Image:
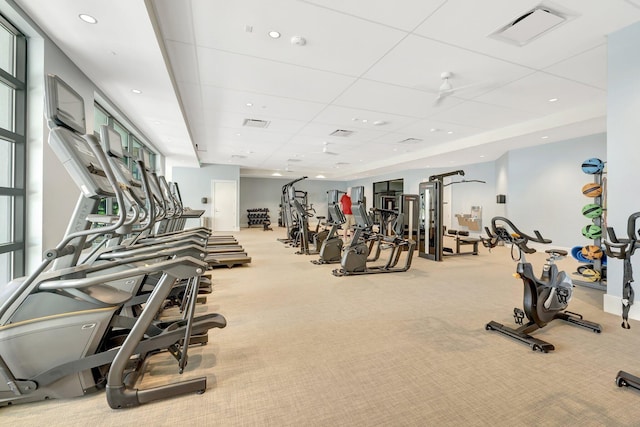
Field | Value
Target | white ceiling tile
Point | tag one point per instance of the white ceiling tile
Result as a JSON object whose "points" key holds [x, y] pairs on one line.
{"points": [[334, 41], [215, 98], [405, 14], [240, 72], [589, 67], [533, 93], [590, 21], [483, 116], [352, 118], [418, 62], [385, 98]]}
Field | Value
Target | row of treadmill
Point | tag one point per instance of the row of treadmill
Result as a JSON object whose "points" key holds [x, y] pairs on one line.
{"points": [[364, 252], [92, 313]]}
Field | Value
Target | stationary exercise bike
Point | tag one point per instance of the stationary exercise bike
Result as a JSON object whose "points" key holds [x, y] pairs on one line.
{"points": [[355, 256], [624, 249], [545, 298], [331, 248]]}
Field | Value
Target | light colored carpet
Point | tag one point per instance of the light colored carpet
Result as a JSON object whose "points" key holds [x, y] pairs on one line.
{"points": [[305, 348]]}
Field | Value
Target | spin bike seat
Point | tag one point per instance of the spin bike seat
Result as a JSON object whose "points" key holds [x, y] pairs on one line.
{"points": [[557, 251]]}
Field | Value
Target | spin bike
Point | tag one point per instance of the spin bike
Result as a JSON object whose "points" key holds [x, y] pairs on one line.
{"points": [[545, 298], [624, 249]]}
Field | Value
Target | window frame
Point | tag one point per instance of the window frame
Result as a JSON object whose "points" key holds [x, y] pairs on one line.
{"points": [[16, 79]]}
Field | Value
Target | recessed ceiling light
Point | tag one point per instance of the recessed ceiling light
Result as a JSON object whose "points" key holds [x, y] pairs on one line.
{"points": [[450, 132], [276, 174], [365, 121], [481, 155], [248, 104], [379, 123], [320, 176], [434, 130], [545, 137], [136, 91], [238, 134], [553, 99], [274, 34], [88, 18]]}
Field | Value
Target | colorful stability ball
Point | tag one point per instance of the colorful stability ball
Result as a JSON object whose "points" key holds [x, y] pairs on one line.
{"points": [[591, 231], [592, 210], [592, 166], [592, 189]]}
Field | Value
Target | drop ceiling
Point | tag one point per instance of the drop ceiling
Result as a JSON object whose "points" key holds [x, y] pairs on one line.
{"points": [[372, 67]]}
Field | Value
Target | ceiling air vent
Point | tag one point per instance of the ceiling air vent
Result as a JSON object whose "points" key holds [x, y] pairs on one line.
{"points": [[410, 141], [293, 160], [529, 26], [341, 132], [255, 123]]}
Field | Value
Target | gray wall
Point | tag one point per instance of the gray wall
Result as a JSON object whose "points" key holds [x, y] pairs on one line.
{"points": [[266, 193]]}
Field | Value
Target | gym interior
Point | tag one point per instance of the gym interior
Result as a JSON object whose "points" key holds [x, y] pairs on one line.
{"points": [[172, 176]]}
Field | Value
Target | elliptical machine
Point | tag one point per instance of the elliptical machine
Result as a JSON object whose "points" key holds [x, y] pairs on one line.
{"points": [[331, 248], [354, 259], [545, 298], [624, 249]]}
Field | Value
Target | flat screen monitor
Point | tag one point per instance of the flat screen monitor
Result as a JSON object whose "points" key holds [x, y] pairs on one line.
{"points": [[357, 194], [112, 141], [65, 106]]}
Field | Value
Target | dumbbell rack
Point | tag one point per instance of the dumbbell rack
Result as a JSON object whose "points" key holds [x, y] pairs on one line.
{"points": [[259, 217], [599, 221]]}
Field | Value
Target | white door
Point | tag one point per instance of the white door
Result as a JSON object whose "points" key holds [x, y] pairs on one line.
{"points": [[225, 205]]}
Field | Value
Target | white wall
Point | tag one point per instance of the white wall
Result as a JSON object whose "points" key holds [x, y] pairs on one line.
{"points": [[545, 188], [195, 183], [623, 149]]}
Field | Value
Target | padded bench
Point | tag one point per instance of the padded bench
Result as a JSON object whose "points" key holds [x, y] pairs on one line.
{"points": [[463, 239]]}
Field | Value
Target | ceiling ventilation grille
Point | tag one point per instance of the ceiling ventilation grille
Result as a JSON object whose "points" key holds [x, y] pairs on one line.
{"points": [[529, 26], [410, 141], [341, 132], [255, 123], [294, 160]]}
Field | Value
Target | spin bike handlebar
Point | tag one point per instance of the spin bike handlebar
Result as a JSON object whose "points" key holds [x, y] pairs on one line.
{"points": [[516, 236], [622, 248]]}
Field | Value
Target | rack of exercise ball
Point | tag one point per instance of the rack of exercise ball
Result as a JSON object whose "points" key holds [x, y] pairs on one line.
{"points": [[593, 272]]}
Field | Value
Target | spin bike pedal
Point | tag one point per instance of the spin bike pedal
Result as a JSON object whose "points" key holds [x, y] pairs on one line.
{"points": [[518, 316]]}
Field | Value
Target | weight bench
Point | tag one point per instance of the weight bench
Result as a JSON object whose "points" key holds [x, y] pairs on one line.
{"points": [[462, 239]]}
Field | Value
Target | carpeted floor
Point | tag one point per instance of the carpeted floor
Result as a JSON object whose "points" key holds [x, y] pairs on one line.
{"points": [[305, 348]]}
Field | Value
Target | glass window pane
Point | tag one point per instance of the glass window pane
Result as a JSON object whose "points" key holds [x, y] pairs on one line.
{"points": [[135, 147], [6, 219], [124, 134], [6, 107], [7, 42], [5, 268], [6, 163], [99, 118]]}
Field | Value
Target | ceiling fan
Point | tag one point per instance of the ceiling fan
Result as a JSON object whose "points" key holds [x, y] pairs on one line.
{"points": [[325, 150], [446, 88]]}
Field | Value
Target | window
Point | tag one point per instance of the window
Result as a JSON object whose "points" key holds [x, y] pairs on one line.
{"points": [[131, 145], [13, 60]]}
